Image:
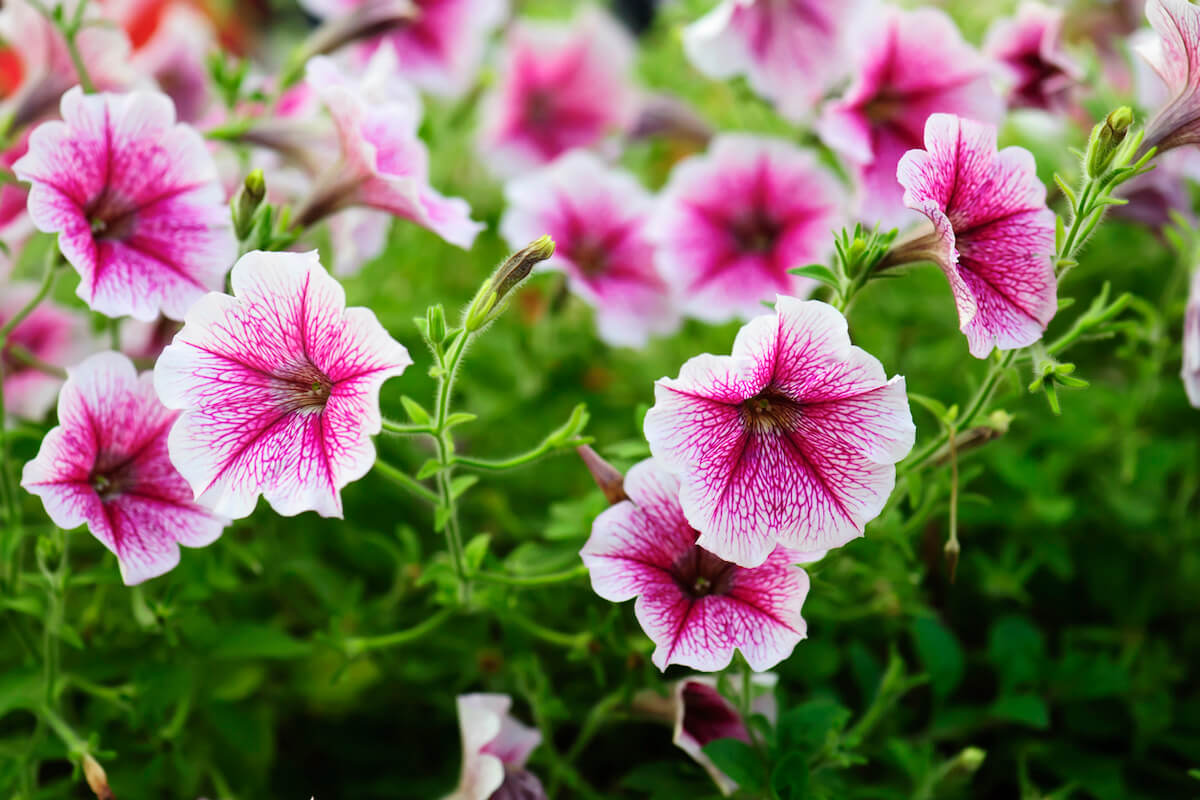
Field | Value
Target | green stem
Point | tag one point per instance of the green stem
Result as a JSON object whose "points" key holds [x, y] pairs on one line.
{"points": [[445, 454], [361, 644], [69, 32], [407, 481], [76, 744], [499, 465], [533, 580], [405, 430], [567, 640]]}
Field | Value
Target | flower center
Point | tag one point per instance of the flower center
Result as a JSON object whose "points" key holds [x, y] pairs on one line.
{"points": [[590, 257], [539, 108], [770, 410], [755, 233], [108, 483], [308, 389], [884, 107], [699, 573]]}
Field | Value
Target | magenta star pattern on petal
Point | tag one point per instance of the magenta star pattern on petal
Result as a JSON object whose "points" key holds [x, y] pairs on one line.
{"points": [[993, 233], [732, 222], [1191, 343], [495, 749], [562, 86], [791, 51], [1175, 56], [384, 164], [596, 216], [279, 385], [106, 465], [50, 335], [1040, 72], [909, 64], [696, 607], [136, 201], [791, 440]]}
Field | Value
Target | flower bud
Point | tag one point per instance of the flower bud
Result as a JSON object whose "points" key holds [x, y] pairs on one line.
{"points": [[247, 201], [1105, 139], [607, 477], [435, 318], [96, 778], [488, 302]]}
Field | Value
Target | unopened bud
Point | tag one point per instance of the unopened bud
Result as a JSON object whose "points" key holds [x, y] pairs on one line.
{"points": [[952, 551], [489, 301], [607, 477], [435, 318], [247, 201], [1105, 139], [96, 779]]}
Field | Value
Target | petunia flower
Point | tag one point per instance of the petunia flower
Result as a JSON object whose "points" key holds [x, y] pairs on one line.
{"points": [[791, 51], [442, 49], [135, 200], [909, 64], [44, 61], [1175, 56], [993, 234], [700, 714], [50, 335], [791, 440], [561, 86], [15, 226], [1191, 343], [495, 749], [1029, 47], [106, 465], [279, 385], [175, 55], [384, 164], [596, 216], [732, 222]]}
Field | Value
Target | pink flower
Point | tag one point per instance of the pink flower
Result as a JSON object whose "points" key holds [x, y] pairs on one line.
{"points": [[1191, 343], [176, 55], [135, 200], [695, 606], [106, 465], [442, 49], [279, 385], [993, 234], [1175, 56], [495, 749], [790, 440], [1041, 74], [49, 334], [384, 164], [731, 223], [561, 87], [791, 51], [14, 222], [596, 216], [910, 64]]}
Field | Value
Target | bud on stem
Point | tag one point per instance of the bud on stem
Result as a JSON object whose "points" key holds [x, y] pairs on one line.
{"points": [[489, 300], [1106, 137], [96, 778], [247, 202], [607, 477]]}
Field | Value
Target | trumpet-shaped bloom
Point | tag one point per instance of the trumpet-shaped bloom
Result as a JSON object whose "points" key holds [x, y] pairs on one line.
{"points": [[384, 164], [1041, 74], [1191, 343], [561, 87], [596, 216], [695, 606], [136, 201], [791, 440], [993, 233], [495, 749], [789, 50], [731, 223], [50, 335], [279, 385], [441, 50], [106, 465], [1175, 56], [909, 64]]}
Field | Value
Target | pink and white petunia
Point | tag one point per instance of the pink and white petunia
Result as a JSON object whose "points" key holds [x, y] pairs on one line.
{"points": [[15, 226], [791, 51], [176, 55], [909, 64], [695, 606], [495, 749], [384, 164], [279, 385], [442, 49], [1191, 343], [49, 334], [1175, 56], [732, 222], [993, 233], [562, 86], [1029, 47], [106, 466], [792, 440], [596, 216], [136, 201]]}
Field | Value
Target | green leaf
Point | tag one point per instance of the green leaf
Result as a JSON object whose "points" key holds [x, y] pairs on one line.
{"points": [[459, 418], [440, 517], [461, 484], [250, 642], [818, 272], [790, 778], [935, 407], [806, 727], [475, 550], [940, 654], [429, 468], [20, 688], [1027, 709], [737, 760], [415, 412]]}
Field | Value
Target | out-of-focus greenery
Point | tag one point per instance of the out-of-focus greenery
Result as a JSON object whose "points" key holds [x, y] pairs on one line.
{"points": [[1066, 648]]}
